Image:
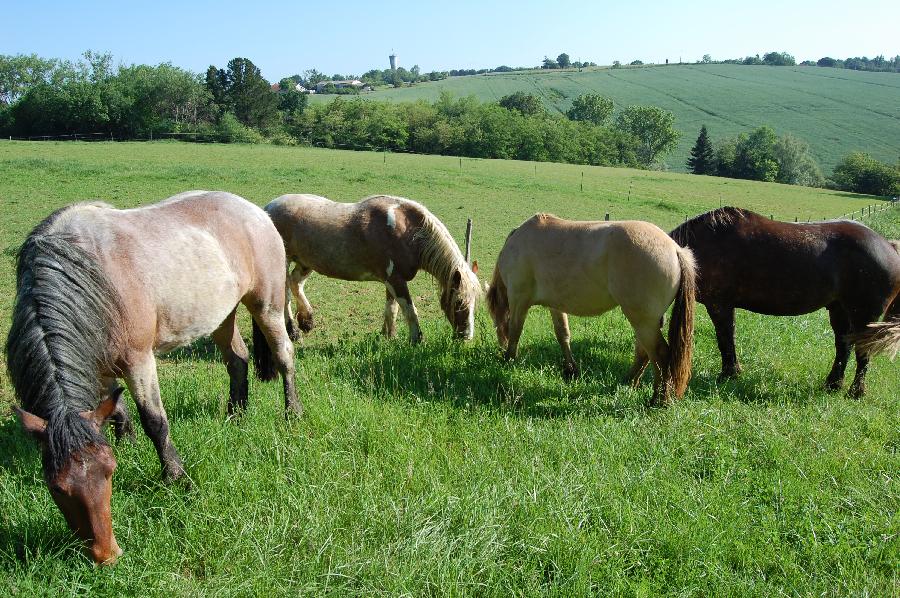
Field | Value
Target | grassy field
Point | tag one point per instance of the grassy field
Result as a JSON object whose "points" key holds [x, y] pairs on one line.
{"points": [[835, 110], [439, 469]]}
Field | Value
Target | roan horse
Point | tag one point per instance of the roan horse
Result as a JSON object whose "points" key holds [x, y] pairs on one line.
{"points": [[99, 292], [588, 268], [381, 238], [751, 262]]}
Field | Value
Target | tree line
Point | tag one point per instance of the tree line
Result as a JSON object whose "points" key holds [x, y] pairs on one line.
{"points": [[762, 155]]}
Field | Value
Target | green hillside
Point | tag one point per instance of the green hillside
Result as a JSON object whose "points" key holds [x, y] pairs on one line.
{"points": [[836, 110]]}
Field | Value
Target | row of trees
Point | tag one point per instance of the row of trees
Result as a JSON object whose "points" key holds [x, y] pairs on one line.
{"points": [[761, 155], [517, 127], [879, 63]]}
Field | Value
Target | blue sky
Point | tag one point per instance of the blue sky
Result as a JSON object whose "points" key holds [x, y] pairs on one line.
{"points": [[350, 37]]}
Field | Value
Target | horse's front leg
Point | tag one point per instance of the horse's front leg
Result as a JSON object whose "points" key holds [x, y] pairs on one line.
{"points": [[517, 315], [723, 320], [144, 387], [401, 293], [119, 419], [390, 314], [236, 356], [564, 337]]}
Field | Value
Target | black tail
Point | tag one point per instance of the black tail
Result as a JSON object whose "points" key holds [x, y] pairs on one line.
{"points": [[263, 361]]}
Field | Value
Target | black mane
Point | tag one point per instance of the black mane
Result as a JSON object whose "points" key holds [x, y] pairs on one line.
{"points": [[64, 314], [714, 219]]}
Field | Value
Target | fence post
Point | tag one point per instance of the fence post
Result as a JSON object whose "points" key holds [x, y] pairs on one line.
{"points": [[582, 181], [468, 238], [607, 216]]}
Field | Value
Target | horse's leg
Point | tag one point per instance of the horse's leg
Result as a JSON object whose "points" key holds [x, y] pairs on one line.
{"points": [[723, 320], [517, 314], [119, 419], [648, 335], [290, 321], [390, 314], [641, 359], [859, 319], [563, 336], [401, 294], [840, 323], [235, 355], [271, 324], [298, 278], [144, 387]]}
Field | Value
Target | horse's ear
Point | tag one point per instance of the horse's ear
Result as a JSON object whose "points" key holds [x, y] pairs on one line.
{"points": [[34, 425], [105, 408], [475, 267]]}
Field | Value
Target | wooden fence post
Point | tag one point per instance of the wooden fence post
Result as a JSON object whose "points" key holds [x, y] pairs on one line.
{"points": [[468, 238], [607, 216]]}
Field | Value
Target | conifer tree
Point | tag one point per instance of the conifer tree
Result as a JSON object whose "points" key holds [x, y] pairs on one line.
{"points": [[702, 160]]}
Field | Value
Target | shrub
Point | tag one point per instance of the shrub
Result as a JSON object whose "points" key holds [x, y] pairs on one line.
{"points": [[861, 173], [231, 130]]}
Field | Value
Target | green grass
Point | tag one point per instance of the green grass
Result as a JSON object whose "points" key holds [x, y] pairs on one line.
{"points": [[439, 469], [836, 111]]}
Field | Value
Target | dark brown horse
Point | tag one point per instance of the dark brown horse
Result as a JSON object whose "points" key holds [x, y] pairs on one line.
{"points": [[751, 262], [101, 292]]}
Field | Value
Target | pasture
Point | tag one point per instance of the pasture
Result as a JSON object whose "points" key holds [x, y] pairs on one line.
{"points": [[439, 469], [836, 111]]}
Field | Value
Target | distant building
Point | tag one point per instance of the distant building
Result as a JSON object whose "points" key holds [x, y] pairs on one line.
{"points": [[393, 59], [320, 86]]}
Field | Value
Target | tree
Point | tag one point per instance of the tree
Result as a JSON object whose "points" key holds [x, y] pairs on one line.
{"points": [[249, 95], [616, 64], [826, 61], [653, 127], [591, 107], [563, 61], [796, 166], [778, 59], [706, 59], [755, 155], [861, 173], [703, 158], [21, 72], [549, 63], [289, 99], [636, 63], [524, 103]]}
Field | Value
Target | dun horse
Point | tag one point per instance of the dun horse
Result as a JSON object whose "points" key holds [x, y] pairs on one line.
{"points": [[99, 292], [381, 238], [751, 262], [587, 269]]}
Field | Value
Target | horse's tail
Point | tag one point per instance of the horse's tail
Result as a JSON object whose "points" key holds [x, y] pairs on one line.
{"points": [[263, 361], [681, 325], [496, 298]]}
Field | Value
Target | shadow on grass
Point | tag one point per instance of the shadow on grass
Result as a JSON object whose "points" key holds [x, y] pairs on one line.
{"points": [[441, 370]]}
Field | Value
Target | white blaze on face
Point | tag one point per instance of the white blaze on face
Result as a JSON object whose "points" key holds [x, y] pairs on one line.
{"points": [[390, 267], [391, 218], [470, 329]]}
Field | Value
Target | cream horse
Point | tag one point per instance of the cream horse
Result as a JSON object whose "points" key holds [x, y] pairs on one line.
{"points": [[101, 292], [587, 269], [381, 238]]}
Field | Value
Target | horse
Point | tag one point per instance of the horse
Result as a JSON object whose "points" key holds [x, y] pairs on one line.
{"points": [[100, 291], [587, 269], [776, 268], [380, 238]]}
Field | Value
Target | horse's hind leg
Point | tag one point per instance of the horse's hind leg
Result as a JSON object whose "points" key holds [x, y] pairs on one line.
{"points": [[144, 387], [840, 323], [296, 282], [563, 336], [723, 320], [271, 325], [859, 319], [390, 314], [650, 339], [641, 359], [235, 355]]}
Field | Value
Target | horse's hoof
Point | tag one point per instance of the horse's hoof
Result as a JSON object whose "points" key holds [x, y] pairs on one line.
{"points": [[293, 410], [306, 324], [833, 385], [175, 473], [728, 375], [856, 391], [293, 331], [570, 372]]}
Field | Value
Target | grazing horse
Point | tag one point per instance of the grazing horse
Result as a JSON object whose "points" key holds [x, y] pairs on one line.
{"points": [[100, 291], [751, 262], [587, 269], [383, 238]]}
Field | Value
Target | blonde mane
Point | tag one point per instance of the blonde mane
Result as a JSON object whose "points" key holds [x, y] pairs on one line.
{"points": [[442, 258]]}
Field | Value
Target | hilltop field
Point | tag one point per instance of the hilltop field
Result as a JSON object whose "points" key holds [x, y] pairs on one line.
{"points": [[836, 111], [441, 470]]}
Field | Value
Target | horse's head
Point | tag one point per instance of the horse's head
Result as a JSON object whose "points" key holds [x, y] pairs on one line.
{"points": [[81, 486], [458, 301]]}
